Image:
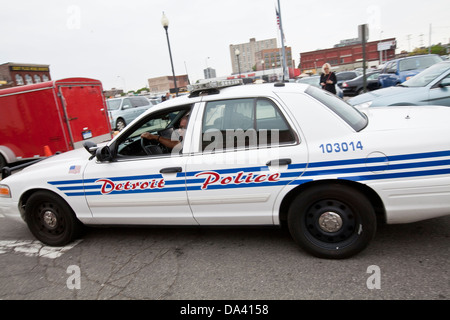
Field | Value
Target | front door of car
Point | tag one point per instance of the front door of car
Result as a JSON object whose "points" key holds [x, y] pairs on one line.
{"points": [[142, 182], [128, 111], [248, 152]]}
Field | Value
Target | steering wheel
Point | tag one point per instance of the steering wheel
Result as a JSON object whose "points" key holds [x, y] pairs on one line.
{"points": [[152, 147]]}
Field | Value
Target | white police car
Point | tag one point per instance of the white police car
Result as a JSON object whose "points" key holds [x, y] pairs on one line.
{"points": [[268, 154]]}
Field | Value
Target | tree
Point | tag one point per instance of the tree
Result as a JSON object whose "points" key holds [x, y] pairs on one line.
{"points": [[435, 49]]}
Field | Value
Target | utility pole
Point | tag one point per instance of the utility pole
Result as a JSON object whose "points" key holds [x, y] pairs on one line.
{"points": [[285, 73], [363, 33]]}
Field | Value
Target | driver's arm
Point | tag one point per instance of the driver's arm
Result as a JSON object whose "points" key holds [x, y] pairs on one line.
{"points": [[166, 142]]}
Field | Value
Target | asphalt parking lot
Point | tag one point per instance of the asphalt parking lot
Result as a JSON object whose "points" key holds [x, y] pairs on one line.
{"points": [[403, 262]]}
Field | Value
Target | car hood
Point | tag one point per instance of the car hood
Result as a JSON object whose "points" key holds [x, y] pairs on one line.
{"points": [[385, 93], [406, 117], [70, 164]]}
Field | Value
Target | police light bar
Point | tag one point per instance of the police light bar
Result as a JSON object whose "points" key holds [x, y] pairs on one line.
{"points": [[212, 86]]}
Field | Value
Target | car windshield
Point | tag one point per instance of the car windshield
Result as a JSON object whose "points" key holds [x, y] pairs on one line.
{"points": [[356, 119], [428, 75], [113, 104]]}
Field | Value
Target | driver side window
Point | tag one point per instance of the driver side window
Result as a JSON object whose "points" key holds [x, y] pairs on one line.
{"points": [[126, 104], [161, 124]]}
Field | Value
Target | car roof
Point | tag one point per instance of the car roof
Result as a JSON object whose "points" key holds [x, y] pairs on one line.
{"points": [[413, 57], [264, 89], [237, 91]]}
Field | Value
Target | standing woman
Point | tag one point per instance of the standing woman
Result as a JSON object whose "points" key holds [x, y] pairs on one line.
{"points": [[328, 79]]}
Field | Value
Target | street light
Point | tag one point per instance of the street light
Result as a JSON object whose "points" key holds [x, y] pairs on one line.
{"points": [[165, 24], [237, 53]]}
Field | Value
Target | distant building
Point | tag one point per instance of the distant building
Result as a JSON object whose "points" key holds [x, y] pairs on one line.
{"points": [[209, 73], [19, 74], [348, 55], [113, 92], [247, 54], [166, 84], [273, 58]]}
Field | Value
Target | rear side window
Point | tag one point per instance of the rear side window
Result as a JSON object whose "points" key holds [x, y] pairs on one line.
{"points": [[356, 119], [140, 101], [238, 123]]}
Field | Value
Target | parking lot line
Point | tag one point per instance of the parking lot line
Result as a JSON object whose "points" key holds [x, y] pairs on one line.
{"points": [[34, 248]]}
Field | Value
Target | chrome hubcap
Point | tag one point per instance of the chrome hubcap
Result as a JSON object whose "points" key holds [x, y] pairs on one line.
{"points": [[330, 221], [50, 219]]}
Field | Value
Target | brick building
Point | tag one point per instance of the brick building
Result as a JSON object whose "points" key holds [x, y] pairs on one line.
{"points": [[18, 74], [348, 57], [247, 54], [165, 84], [273, 58]]}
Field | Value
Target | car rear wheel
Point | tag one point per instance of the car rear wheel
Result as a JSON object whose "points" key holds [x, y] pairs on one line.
{"points": [[332, 221], [51, 220], [120, 124]]}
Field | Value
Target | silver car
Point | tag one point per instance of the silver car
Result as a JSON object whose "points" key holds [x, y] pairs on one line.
{"points": [[430, 87], [124, 110]]}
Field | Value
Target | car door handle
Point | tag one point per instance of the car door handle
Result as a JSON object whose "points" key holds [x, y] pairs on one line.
{"points": [[279, 162], [171, 170]]}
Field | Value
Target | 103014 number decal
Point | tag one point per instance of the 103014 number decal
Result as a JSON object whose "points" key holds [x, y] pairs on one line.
{"points": [[341, 147]]}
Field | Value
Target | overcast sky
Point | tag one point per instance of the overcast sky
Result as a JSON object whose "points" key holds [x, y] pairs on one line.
{"points": [[122, 43]]}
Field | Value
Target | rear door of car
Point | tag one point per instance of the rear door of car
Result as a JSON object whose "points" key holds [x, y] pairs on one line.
{"points": [[246, 151]]}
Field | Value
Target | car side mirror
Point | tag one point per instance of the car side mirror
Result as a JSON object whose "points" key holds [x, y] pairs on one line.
{"points": [[103, 154], [90, 147]]}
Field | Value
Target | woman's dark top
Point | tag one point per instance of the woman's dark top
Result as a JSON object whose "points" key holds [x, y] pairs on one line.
{"points": [[329, 87]]}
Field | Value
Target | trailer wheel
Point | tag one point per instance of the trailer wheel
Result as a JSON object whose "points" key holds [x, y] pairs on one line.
{"points": [[51, 220], [332, 221]]}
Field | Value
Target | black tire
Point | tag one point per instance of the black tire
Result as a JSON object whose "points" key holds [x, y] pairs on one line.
{"points": [[332, 221], [2, 163], [51, 220]]}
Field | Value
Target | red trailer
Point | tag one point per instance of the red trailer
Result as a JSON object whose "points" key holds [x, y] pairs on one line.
{"points": [[41, 119]]}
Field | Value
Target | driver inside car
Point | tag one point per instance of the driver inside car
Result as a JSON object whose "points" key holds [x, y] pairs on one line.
{"points": [[177, 135]]}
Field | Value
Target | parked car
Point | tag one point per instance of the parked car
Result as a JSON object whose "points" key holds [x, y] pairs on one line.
{"points": [[154, 101], [399, 70], [267, 154], [124, 110], [315, 81], [346, 75], [430, 87], [355, 86]]}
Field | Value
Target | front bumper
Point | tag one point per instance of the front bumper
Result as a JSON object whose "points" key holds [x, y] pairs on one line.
{"points": [[10, 209]]}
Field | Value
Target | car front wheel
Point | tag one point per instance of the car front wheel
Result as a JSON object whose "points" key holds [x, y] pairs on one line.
{"points": [[51, 220], [332, 221]]}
